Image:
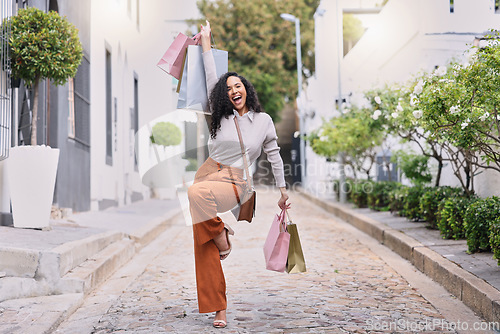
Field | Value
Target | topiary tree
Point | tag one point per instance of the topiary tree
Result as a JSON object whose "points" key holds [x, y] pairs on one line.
{"points": [[42, 46], [166, 134]]}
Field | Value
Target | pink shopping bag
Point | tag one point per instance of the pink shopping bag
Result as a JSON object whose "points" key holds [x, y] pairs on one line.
{"points": [[276, 245], [171, 62]]}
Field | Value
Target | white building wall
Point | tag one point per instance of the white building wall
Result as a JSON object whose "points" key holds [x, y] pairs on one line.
{"points": [[408, 37], [136, 46]]}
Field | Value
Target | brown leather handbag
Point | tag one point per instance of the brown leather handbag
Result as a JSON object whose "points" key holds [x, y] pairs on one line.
{"points": [[247, 202]]}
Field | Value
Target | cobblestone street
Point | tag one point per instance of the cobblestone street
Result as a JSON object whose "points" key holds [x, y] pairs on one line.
{"points": [[348, 288]]}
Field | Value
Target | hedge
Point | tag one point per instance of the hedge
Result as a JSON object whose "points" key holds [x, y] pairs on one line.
{"points": [[430, 200], [451, 213], [478, 218], [380, 198]]}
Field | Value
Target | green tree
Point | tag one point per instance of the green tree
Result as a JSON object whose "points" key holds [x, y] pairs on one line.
{"points": [[398, 106], [261, 44], [414, 167], [42, 45], [355, 134], [166, 134]]}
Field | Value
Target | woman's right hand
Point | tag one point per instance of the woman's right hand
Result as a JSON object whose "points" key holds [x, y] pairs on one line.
{"points": [[205, 36]]}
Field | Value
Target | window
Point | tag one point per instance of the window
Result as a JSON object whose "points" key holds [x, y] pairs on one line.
{"points": [[497, 6], [109, 112], [79, 104], [452, 6], [134, 121], [71, 101]]}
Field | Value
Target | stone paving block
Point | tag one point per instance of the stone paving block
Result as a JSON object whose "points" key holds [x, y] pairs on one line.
{"points": [[446, 273], [418, 258], [481, 296]]}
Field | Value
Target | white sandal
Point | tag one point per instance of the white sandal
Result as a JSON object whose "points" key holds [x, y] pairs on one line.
{"points": [[216, 322], [224, 254]]}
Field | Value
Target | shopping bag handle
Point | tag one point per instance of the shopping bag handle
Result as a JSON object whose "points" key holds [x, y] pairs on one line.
{"points": [[197, 39], [288, 215], [282, 222]]}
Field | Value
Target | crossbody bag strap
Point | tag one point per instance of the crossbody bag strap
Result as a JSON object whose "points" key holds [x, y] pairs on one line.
{"points": [[245, 162]]}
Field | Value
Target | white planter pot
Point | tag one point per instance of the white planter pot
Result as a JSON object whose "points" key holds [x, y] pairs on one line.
{"points": [[31, 173]]}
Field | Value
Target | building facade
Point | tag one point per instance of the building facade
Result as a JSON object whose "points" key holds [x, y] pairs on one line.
{"points": [[407, 37], [93, 119]]}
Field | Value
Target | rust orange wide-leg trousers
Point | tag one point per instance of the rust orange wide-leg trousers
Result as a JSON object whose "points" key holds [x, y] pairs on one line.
{"points": [[215, 189]]}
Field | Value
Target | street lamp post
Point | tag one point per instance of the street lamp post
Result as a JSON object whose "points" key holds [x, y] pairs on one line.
{"points": [[291, 18]]}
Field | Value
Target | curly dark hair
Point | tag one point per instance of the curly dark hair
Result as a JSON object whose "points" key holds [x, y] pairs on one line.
{"points": [[221, 105]]}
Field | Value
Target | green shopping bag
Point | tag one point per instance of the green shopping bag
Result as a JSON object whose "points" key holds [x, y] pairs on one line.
{"points": [[295, 261]]}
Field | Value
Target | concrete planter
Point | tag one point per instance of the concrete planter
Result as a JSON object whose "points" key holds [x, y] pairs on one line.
{"points": [[31, 173]]}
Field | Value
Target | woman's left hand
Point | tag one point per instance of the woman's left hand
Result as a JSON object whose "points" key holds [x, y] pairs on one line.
{"points": [[282, 202]]}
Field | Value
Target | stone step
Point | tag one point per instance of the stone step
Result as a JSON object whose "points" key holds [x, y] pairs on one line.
{"points": [[81, 279], [76, 266], [31, 273], [26, 263], [74, 253], [98, 268]]}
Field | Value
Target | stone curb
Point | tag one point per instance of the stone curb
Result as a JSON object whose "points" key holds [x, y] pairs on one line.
{"points": [[474, 292], [144, 235]]}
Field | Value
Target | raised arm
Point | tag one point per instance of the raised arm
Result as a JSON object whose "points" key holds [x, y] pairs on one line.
{"points": [[208, 58]]}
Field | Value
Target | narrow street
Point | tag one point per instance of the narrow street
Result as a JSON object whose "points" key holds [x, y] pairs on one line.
{"points": [[353, 285]]}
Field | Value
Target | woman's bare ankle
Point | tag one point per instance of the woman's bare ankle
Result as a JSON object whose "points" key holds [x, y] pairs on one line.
{"points": [[220, 315], [221, 241]]}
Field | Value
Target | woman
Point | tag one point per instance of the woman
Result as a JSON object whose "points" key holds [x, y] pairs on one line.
{"points": [[220, 181]]}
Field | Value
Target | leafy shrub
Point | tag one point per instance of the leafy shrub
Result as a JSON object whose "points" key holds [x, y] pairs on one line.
{"points": [[379, 199], [360, 190], [430, 200], [450, 220], [495, 238], [478, 218], [396, 198], [411, 203], [414, 167]]}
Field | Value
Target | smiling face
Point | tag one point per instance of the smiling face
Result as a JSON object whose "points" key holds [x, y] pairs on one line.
{"points": [[237, 93]]}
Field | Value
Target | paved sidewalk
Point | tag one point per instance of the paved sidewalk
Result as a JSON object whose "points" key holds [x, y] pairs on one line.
{"points": [[472, 278], [78, 226], [348, 288], [52, 270]]}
